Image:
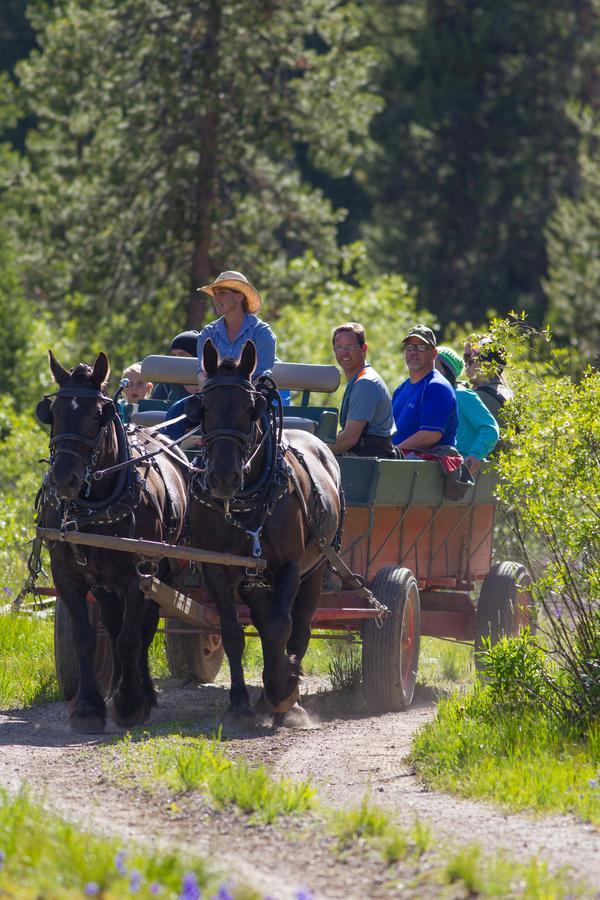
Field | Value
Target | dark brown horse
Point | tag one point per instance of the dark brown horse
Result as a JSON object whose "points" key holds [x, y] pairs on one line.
{"points": [[147, 500], [272, 498]]}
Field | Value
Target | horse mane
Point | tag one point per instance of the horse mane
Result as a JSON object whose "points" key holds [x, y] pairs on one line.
{"points": [[228, 366], [81, 374]]}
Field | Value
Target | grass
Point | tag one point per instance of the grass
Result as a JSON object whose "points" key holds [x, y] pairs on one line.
{"points": [[182, 764], [45, 858], [519, 760], [445, 665], [469, 868], [27, 674]]}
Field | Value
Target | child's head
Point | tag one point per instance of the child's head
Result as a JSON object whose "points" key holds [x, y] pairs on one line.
{"points": [[138, 387]]}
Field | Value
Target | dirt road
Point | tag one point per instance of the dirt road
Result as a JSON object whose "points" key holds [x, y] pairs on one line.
{"points": [[345, 754]]}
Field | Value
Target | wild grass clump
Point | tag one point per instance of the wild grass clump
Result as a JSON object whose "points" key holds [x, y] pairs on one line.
{"points": [[43, 856], [499, 743], [186, 764], [27, 674], [445, 664], [345, 667]]}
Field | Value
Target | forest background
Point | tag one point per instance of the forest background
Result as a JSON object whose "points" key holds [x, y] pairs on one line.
{"points": [[356, 160]]}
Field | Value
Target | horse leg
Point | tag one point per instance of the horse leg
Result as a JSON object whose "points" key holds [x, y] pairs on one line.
{"points": [[232, 633], [111, 610], [280, 680], [149, 626], [129, 704], [304, 608], [87, 711]]}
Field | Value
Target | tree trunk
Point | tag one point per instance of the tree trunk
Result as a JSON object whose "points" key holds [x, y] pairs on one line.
{"points": [[208, 131]]}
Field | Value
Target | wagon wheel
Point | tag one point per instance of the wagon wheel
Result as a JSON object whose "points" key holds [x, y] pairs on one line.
{"points": [[504, 605], [193, 656], [390, 654], [65, 657]]}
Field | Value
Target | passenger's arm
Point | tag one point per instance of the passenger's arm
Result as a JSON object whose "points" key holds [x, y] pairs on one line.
{"points": [[421, 440], [348, 437]]}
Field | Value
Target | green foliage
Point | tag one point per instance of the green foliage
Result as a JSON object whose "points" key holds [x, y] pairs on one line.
{"points": [[574, 262], [519, 758], [21, 445], [44, 856], [516, 672], [165, 150], [384, 305], [27, 674], [473, 145], [14, 321], [345, 667], [551, 483]]}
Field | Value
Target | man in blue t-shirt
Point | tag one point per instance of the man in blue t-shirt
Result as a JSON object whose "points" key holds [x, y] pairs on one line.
{"points": [[424, 406], [366, 410]]}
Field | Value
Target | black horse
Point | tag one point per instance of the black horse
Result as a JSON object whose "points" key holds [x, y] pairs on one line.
{"points": [[146, 500], [271, 497]]}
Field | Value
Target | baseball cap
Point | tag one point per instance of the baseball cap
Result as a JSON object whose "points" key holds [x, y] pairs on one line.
{"points": [[424, 333]]}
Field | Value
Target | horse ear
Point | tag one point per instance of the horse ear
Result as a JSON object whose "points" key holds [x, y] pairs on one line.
{"points": [[210, 358], [59, 373], [101, 370], [247, 363]]}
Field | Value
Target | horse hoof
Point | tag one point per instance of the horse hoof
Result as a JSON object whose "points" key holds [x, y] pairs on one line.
{"points": [[296, 717], [87, 724], [128, 719]]}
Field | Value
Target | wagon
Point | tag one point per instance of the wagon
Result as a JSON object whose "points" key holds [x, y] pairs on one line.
{"points": [[411, 564]]}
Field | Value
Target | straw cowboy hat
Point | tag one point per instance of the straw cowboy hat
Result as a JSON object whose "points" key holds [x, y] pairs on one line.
{"points": [[236, 282]]}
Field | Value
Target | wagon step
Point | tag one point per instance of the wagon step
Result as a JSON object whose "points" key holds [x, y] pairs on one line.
{"points": [[150, 548]]}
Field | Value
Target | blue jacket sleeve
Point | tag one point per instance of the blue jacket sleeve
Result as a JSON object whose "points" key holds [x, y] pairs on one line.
{"points": [[482, 424], [265, 342]]}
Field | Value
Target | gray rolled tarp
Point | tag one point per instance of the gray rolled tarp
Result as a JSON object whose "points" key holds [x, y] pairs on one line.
{"points": [[291, 376]]}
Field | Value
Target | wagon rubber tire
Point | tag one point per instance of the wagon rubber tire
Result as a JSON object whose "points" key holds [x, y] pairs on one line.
{"points": [[390, 653], [193, 657], [65, 658], [504, 605]]}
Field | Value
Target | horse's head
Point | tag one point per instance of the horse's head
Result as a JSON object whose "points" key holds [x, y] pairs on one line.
{"points": [[229, 408], [78, 413]]}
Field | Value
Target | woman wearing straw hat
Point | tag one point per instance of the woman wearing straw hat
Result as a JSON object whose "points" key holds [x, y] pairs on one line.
{"points": [[237, 302]]}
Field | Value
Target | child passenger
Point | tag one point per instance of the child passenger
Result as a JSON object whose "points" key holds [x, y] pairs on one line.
{"points": [[137, 389]]}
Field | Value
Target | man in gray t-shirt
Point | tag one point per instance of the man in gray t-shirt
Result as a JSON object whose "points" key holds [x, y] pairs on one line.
{"points": [[366, 410]]}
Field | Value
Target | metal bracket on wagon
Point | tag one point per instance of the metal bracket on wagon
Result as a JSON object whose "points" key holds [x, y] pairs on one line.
{"points": [[350, 578]]}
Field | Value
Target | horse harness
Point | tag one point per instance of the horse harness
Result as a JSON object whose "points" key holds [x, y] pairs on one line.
{"points": [[130, 489]]}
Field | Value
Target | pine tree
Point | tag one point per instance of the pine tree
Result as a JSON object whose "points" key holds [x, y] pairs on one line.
{"points": [[166, 151]]}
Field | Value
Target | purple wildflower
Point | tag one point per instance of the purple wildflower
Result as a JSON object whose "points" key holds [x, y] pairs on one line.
{"points": [[190, 889], [135, 882], [223, 893], [91, 888], [304, 894], [155, 887], [7, 590], [120, 862], [2, 858]]}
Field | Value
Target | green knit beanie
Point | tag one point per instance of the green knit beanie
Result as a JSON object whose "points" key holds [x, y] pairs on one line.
{"points": [[451, 359]]}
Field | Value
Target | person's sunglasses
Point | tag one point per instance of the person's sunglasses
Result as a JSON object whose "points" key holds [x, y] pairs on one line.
{"points": [[419, 348]]}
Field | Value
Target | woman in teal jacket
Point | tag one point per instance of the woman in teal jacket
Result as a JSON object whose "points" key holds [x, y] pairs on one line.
{"points": [[478, 430]]}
